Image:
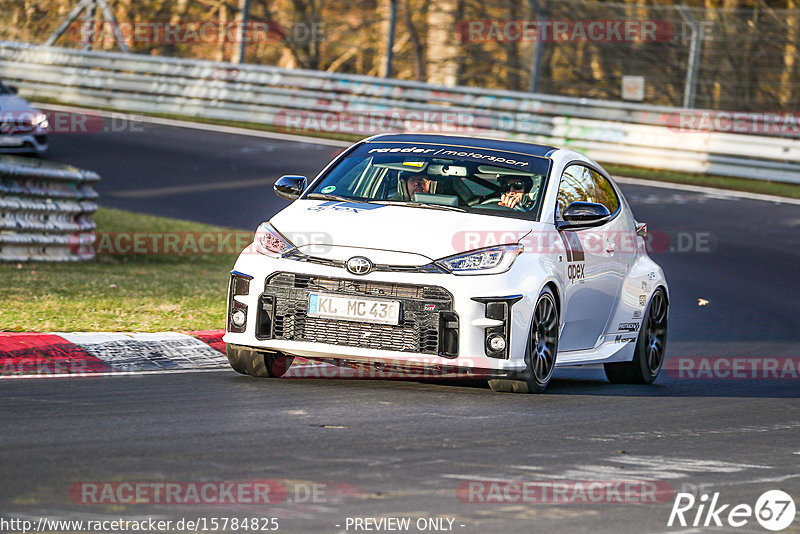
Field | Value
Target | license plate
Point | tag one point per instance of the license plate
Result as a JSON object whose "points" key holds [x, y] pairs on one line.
{"points": [[11, 141], [353, 309]]}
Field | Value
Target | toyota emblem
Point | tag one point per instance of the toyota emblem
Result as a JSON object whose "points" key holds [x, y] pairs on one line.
{"points": [[359, 265]]}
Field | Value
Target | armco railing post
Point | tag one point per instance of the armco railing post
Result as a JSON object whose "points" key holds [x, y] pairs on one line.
{"points": [[538, 49], [694, 58], [387, 69], [89, 15], [241, 33]]}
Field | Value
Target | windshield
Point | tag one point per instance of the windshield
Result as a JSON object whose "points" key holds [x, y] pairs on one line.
{"points": [[439, 177]]}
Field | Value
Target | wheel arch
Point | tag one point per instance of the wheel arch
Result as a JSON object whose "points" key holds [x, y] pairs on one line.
{"points": [[554, 288]]}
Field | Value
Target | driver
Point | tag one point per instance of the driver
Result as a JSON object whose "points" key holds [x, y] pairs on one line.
{"points": [[515, 192], [416, 183]]}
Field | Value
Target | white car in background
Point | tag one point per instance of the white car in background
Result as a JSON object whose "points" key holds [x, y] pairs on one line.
{"points": [[452, 255], [23, 128]]}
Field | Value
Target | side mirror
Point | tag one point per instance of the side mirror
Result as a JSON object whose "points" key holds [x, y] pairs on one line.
{"points": [[583, 215], [290, 186]]}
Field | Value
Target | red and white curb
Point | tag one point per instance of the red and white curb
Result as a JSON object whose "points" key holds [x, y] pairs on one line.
{"points": [[86, 354], [28, 355], [83, 354]]}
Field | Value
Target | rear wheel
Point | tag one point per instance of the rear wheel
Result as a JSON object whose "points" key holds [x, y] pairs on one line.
{"points": [[254, 363], [540, 351], [650, 349]]}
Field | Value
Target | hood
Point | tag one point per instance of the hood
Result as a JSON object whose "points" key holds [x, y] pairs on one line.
{"points": [[15, 104], [421, 234]]}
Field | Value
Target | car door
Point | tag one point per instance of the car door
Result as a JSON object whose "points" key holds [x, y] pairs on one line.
{"points": [[592, 268]]}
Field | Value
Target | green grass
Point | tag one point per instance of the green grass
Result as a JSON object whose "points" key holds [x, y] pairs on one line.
{"points": [[131, 293], [723, 182]]}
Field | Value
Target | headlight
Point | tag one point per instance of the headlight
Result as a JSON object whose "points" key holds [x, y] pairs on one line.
{"points": [[492, 260], [41, 121], [270, 242]]}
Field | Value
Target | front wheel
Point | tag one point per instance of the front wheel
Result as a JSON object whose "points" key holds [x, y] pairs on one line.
{"points": [[651, 346], [540, 351], [259, 364]]}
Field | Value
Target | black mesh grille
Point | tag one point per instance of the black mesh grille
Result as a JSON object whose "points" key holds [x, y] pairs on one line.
{"points": [[418, 330]]}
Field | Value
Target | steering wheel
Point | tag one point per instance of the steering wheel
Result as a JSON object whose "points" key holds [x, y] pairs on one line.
{"points": [[485, 199]]}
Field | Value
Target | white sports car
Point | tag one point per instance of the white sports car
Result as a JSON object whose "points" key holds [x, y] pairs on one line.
{"points": [[23, 129], [452, 255]]}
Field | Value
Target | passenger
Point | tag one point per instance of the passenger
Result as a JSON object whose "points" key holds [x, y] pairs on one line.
{"points": [[515, 192]]}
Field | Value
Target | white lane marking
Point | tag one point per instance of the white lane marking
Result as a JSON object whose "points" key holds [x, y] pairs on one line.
{"points": [[191, 188], [619, 468], [654, 467], [726, 194], [686, 531], [199, 125], [477, 478], [770, 480], [526, 467], [687, 464], [749, 429]]}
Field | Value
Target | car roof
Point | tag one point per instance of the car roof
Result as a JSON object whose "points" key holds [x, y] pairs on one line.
{"points": [[522, 147]]}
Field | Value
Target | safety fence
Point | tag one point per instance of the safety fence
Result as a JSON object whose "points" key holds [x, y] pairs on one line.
{"points": [[45, 211], [745, 145]]}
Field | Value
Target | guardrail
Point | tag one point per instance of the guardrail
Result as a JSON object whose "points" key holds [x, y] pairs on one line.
{"points": [[45, 211], [612, 132]]}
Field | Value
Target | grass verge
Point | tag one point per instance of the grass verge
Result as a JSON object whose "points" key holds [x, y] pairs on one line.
{"points": [[722, 182], [131, 293]]}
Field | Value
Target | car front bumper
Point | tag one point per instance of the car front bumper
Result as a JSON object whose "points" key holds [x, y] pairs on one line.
{"points": [[25, 143], [429, 301]]}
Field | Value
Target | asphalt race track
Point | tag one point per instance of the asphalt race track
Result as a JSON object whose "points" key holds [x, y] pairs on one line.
{"points": [[406, 448]]}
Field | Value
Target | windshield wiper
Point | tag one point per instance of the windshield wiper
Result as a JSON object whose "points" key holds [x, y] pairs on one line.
{"points": [[420, 205]]}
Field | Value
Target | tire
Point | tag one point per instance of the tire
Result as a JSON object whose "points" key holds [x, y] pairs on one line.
{"points": [[259, 364], [540, 351], [651, 346]]}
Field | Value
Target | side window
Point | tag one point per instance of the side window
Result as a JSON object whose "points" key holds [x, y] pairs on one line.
{"points": [[576, 186], [605, 192]]}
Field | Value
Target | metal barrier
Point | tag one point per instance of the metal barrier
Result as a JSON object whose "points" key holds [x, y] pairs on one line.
{"points": [[45, 211], [612, 132]]}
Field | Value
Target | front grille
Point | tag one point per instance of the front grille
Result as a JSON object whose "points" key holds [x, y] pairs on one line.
{"points": [[285, 305], [379, 267]]}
